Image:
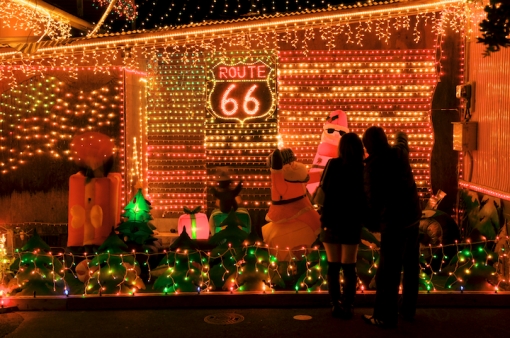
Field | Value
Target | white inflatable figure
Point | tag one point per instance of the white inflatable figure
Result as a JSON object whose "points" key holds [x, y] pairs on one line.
{"points": [[332, 131]]}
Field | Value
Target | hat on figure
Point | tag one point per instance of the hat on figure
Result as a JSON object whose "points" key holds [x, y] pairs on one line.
{"points": [[287, 156], [222, 175], [337, 120]]}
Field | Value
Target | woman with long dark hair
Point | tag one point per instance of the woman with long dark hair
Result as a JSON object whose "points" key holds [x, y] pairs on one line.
{"points": [[341, 220]]}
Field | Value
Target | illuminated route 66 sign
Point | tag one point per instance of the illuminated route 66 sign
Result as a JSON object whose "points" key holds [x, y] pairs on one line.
{"points": [[241, 91]]}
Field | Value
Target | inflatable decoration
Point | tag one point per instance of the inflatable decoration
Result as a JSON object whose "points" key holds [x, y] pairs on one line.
{"points": [[136, 228], [259, 268], [294, 223], [182, 271], [217, 218], [227, 200], [334, 128], [37, 271], [436, 227], [83, 271], [229, 244], [113, 271], [195, 221], [94, 194], [313, 278]]}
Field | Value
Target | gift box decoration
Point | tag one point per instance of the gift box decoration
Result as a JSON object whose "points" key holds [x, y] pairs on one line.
{"points": [[94, 208], [217, 217], [196, 223]]}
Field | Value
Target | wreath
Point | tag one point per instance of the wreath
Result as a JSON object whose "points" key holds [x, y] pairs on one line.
{"points": [[495, 28]]}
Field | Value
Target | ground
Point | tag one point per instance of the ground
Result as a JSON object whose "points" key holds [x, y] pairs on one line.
{"points": [[274, 322]]}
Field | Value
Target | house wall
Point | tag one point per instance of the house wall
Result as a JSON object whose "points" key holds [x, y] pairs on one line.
{"points": [[50, 107], [488, 167], [380, 40]]}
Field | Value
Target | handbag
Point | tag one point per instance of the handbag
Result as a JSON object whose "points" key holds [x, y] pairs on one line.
{"points": [[319, 195]]}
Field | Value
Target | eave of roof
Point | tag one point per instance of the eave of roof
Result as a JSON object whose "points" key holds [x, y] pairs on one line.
{"points": [[308, 18], [74, 21]]}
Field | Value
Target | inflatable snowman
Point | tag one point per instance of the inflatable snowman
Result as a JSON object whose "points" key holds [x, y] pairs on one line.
{"points": [[334, 128], [294, 223]]}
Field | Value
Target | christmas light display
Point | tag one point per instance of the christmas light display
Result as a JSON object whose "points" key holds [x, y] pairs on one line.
{"points": [[241, 92], [176, 173], [123, 8], [42, 114], [191, 41], [391, 88], [206, 109], [242, 263], [4, 260], [23, 15], [242, 140]]}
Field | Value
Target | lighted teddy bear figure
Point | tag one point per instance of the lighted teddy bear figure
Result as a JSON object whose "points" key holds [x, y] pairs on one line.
{"points": [[294, 223], [332, 131], [227, 200]]}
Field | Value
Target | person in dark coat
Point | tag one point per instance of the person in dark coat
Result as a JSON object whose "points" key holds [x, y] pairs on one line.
{"points": [[342, 210], [394, 210]]}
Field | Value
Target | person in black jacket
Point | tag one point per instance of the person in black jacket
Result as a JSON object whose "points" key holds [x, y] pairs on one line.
{"points": [[342, 210], [394, 210]]}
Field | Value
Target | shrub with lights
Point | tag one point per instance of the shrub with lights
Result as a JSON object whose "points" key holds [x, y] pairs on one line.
{"points": [[183, 269], [226, 257], [472, 269], [259, 269], [37, 271], [113, 270], [314, 277]]}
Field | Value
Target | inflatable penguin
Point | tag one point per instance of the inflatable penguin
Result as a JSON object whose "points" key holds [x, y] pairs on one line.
{"points": [[334, 128], [294, 223]]}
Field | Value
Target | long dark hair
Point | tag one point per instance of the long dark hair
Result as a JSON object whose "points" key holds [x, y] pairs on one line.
{"points": [[375, 140], [351, 149]]}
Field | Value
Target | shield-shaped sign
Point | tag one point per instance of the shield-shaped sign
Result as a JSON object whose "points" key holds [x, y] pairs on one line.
{"points": [[241, 91]]}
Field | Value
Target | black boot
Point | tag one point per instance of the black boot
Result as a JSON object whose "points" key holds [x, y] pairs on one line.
{"points": [[334, 288], [349, 289]]}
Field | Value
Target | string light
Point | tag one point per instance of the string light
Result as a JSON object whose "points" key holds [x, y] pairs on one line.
{"points": [[248, 268], [24, 15]]}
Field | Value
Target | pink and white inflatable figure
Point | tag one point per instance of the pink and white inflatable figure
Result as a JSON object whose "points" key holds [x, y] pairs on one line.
{"points": [[332, 131]]}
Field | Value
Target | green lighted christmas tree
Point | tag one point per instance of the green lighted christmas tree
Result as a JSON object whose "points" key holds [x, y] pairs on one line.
{"points": [[136, 230], [38, 272], [138, 209], [183, 269], [113, 270]]}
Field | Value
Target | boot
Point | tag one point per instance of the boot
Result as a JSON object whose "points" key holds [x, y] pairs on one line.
{"points": [[334, 288], [349, 289]]}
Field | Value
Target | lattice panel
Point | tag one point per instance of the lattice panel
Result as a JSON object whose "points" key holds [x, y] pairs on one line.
{"points": [[389, 88]]}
